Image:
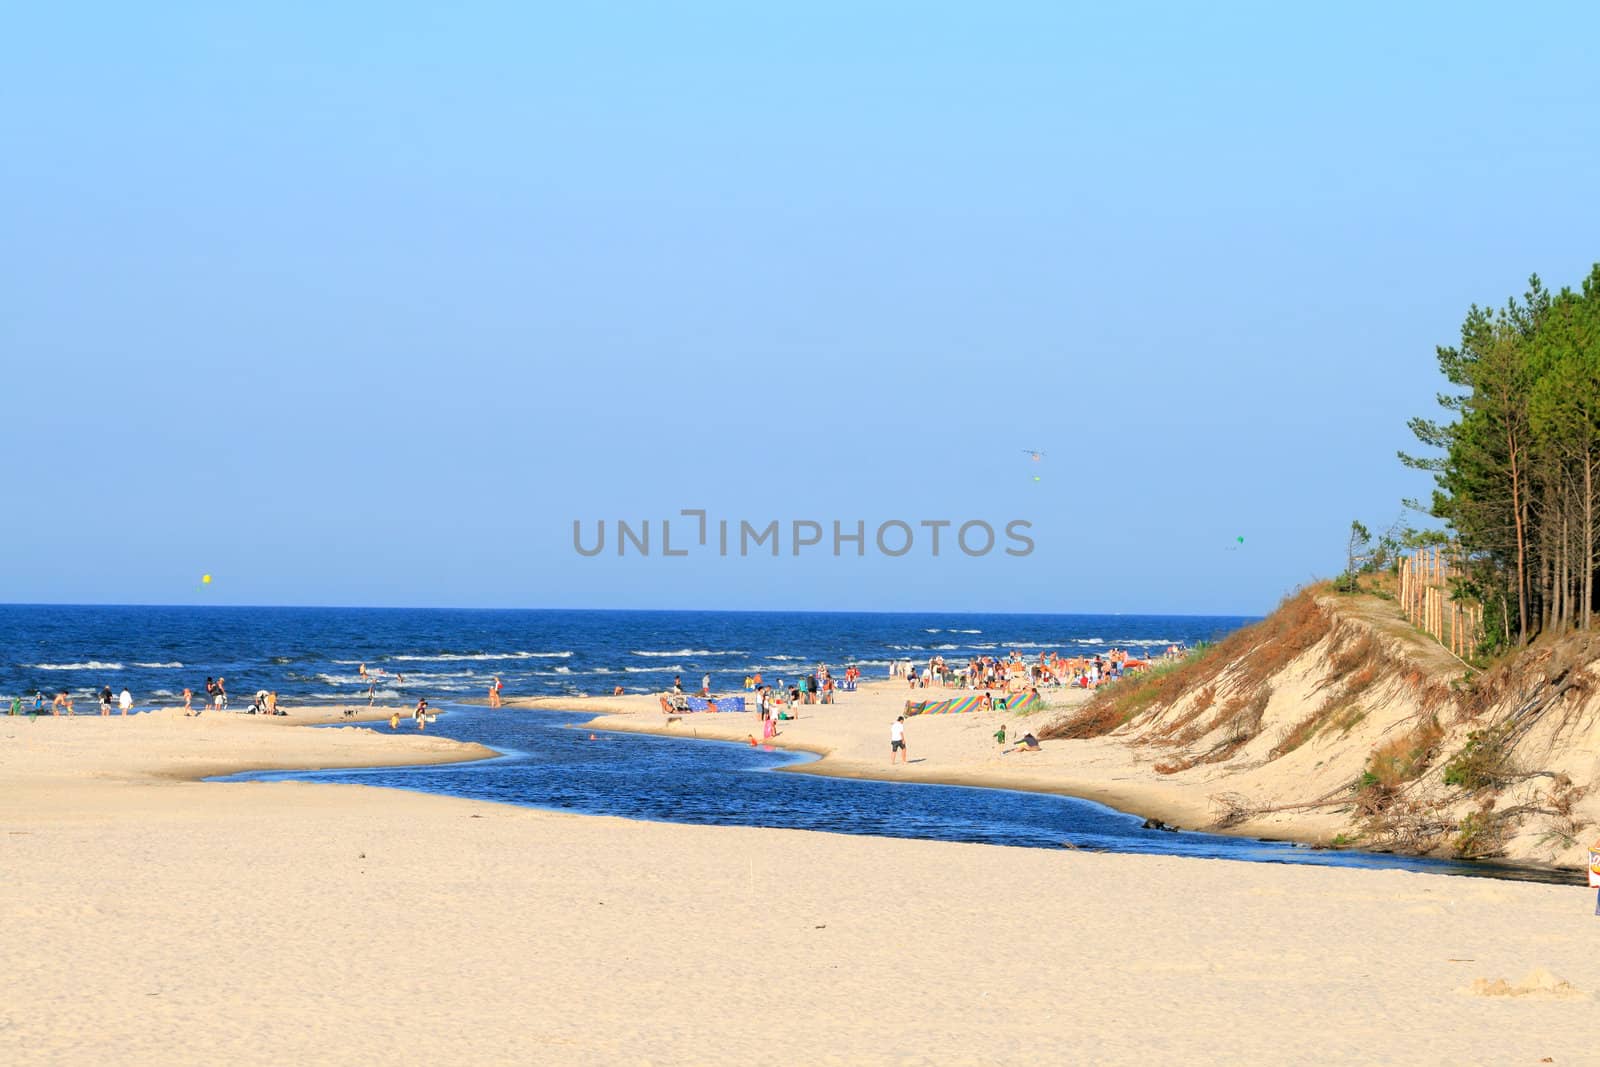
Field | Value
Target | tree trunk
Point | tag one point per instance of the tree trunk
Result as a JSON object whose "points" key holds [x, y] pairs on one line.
{"points": [[1588, 538], [1522, 552]]}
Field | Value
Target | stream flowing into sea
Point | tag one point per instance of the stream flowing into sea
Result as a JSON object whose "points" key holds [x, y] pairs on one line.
{"points": [[314, 656]]}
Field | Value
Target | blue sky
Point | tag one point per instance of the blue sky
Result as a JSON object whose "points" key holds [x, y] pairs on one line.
{"points": [[367, 305]]}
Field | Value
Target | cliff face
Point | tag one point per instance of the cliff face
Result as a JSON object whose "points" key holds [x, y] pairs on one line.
{"points": [[1334, 719]]}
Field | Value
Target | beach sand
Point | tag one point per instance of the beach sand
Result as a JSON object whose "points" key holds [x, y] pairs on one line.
{"points": [[853, 737], [149, 918]]}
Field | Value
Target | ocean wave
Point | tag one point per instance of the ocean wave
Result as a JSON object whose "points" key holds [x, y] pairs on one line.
{"points": [[159, 666], [92, 665], [451, 657], [652, 670], [966, 631], [694, 652], [787, 659]]}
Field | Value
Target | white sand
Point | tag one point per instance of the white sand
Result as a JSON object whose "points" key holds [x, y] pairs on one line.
{"points": [[147, 919]]}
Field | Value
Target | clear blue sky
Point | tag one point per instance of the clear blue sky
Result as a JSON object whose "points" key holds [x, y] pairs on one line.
{"points": [[365, 303]]}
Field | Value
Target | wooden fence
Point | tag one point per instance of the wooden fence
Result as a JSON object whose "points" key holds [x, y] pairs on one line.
{"points": [[1425, 598]]}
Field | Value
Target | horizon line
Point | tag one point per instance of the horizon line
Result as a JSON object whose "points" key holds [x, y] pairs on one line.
{"points": [[657, 611]]}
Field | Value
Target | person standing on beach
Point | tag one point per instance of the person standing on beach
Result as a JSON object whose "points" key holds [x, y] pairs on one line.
{"points": [[222, 694], [494, 692], [105, 701], [60, 703], [125, 701], [16, 705], [188, 700], [705, 686], [897, 740]]}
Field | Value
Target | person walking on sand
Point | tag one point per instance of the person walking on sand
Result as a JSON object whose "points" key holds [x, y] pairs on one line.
{"points": [[125, 701], [705, 686], [105, 701], [61, 703], [897, 740], [188, 700], [494, 692], [222, 695]]}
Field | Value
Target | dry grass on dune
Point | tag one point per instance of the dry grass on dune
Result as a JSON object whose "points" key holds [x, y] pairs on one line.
{"points": [[1251, 656]]}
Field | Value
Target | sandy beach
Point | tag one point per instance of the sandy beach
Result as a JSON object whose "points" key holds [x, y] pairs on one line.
{"points": [[151, 918], [852, 736]]}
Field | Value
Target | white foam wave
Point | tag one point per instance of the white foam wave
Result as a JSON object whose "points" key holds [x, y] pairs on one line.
{"points": [[451, 657], [343, 679], [653, 670], [160, 666], [694, 652], [92, 665]]}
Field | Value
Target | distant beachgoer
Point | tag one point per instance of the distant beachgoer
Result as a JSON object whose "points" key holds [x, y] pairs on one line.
{"points": [[1000, 735], [222, 695], [61, 703], [616, 690], [1029, 743], [705, 686], [421, 714], [16, 705], [188, 700], [125, 701], [494, 692], [105, 701], [394, 720], [362, 670], [372, 693], [897, 740], [38, 701], [677, 685]]}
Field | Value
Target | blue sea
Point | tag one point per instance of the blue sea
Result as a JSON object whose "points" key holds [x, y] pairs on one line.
{"points": [[313, 655]]}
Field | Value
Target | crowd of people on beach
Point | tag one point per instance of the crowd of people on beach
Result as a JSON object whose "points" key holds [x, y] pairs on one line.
{"points": [[1015, 673]]}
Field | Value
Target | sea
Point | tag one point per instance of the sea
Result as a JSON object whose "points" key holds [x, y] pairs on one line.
{"points": [[315, 655], [549, 759]]}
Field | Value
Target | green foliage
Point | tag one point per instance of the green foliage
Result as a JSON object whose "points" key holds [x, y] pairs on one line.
{"points": [[1516, 464], [1478, 836], [1483, 761]]}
